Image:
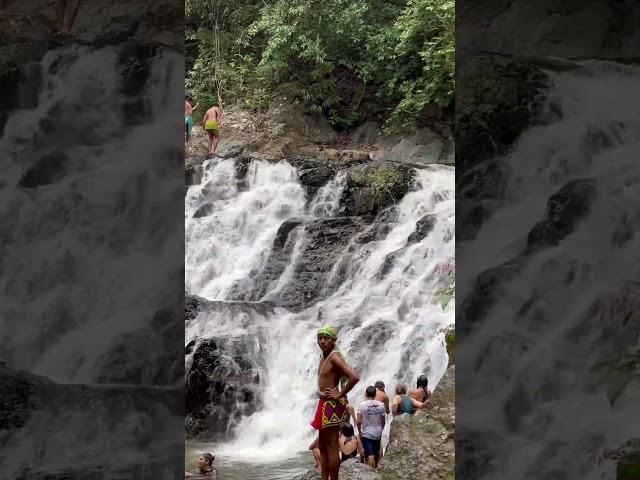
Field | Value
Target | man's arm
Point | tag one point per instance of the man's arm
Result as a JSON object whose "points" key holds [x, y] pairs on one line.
{"points": [[386, 404], [384, 421], [346, 371], [359, 422], [416, 403]]}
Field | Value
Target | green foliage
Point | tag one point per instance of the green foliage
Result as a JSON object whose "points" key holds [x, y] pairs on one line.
{"points": [[616, 372], [444, 295], [383, 179], [330, 55]]}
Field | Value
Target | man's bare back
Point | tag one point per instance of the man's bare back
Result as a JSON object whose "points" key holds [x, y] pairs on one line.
{"points": [[384, 398], [188, 108], [213, 114], [419, 394]]}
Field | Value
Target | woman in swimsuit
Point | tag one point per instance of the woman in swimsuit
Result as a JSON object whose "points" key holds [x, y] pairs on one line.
{"points": [[403, 403], [349, 443]]}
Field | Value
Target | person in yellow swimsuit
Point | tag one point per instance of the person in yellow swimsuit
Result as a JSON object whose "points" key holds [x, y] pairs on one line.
{"points": [[211, 122]]}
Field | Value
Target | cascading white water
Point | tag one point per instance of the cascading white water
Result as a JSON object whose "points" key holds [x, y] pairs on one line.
{"points": [[389, 325], [548, 348], [55, 224]]}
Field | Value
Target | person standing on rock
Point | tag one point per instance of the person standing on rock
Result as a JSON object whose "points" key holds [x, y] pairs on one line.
{"points": [[381, 396], [371, 422], [189, 107], [421, 393], [332, 404], [211, 122], [66, 15]]}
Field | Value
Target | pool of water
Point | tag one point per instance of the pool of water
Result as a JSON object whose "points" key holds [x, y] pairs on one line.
{"points": [[231, 469]]}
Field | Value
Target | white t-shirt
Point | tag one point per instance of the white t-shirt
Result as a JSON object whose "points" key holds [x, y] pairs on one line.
{"points": [[373, 414]]}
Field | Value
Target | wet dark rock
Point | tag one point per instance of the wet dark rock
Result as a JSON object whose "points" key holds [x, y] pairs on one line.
{"points": [[133, 357], [134, 61], [324, 244], [222, 385], [424, 227], [471, 214], [203, 211], [195, 305], [389, 262], [565, 209], [485, 292], [486, 180], [51, 168], [283, 232], [242, 167], [376, 335]]}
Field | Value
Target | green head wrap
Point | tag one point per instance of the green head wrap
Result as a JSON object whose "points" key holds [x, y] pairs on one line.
{"points": [[331, 332], [328, 330]]}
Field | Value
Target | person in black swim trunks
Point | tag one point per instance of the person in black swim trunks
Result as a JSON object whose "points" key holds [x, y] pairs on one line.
{"points": [[350, 445]]}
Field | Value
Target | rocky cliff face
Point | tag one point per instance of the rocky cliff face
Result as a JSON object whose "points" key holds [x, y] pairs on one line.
{"points": [[574, 28], [423, 445]]}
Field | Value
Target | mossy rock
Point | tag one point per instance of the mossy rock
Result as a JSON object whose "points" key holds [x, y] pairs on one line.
{"points": [[629, 466], [450, 342], [496, 100], [423, 445], [371, 188]]}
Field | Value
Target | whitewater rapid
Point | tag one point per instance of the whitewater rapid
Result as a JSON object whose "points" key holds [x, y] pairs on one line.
{"points": [[389, 325], [532, 351]]}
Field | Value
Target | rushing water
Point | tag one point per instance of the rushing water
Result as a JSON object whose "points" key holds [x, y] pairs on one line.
{"points": [[534, 348], [389, 324], [89, 190]]}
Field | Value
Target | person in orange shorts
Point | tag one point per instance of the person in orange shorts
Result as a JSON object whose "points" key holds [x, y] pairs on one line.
{"points": [[335, 381]]}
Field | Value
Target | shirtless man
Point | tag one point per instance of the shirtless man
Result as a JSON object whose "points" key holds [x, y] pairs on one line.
{"points": [[332, 405], [211, 121], [189, 107], [421, 393]]}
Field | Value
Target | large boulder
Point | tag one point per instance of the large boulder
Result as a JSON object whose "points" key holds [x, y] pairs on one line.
{"points": [[565, 209], [223, 384], [371, 188], [323, 244], [224, 374], [423, 445]]}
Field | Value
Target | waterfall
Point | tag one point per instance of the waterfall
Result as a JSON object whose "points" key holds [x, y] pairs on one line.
{"points": [[550, 317], [92, 182], [379, 294]]}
